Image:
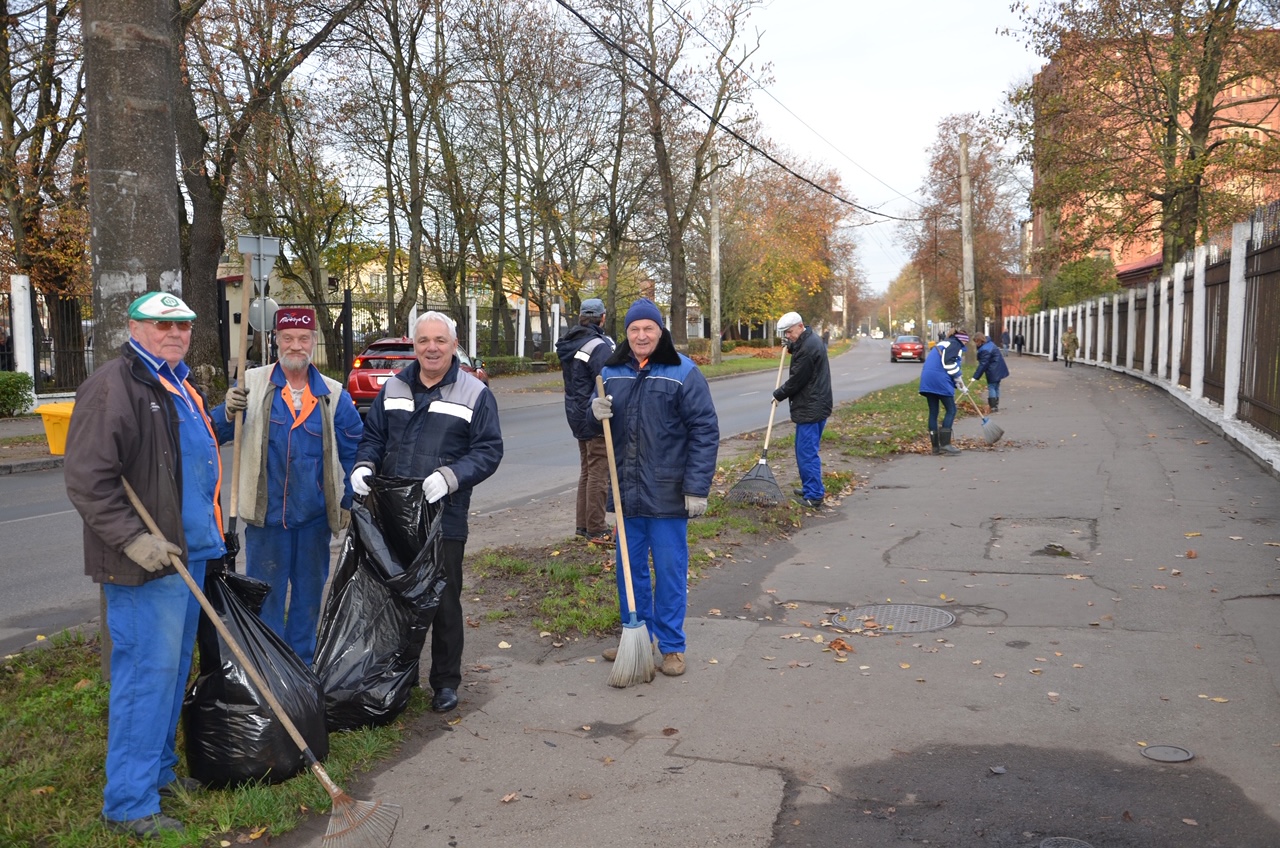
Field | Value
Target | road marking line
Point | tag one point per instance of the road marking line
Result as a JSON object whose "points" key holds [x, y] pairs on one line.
{"points": [[30, 517]]}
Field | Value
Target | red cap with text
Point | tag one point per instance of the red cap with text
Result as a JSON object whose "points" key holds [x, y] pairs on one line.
{"points": [[295, 318]]}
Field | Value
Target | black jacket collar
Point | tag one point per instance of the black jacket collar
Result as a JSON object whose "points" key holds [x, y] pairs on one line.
{"points": [[664, 354]]}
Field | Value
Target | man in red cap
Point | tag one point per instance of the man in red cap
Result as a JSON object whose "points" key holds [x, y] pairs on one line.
{"points": [[300, 435]]}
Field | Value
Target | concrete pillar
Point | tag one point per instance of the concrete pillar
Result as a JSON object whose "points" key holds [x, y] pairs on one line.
{"points": [[471, 326], [1115, 330], [1166, 322], [1240, 234], [22, 332], [555, 327], [1179, 307], [1131, 329], [1149, 338], [1197, 322]]}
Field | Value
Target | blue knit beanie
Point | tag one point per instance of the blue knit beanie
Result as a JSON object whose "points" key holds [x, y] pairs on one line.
{"points": [[641, 309]]}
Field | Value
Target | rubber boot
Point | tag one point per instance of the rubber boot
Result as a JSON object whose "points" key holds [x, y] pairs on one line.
{"points": [[995, 403], [944, 440], [933, 441]]}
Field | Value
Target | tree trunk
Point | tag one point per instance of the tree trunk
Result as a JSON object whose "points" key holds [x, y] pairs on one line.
{"points": [[131, 73]]}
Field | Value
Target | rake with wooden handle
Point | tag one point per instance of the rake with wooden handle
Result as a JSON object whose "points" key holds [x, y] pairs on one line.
{"points": [[352, 823]]}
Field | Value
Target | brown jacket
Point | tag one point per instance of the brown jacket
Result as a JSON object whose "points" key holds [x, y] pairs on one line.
{"points": [[124, 424]]}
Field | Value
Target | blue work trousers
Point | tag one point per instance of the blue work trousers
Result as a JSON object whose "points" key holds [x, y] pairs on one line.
{"points": [[993, 390], [935, 401], [808, 439], [660, 604], [153, 632], [296, 564]]}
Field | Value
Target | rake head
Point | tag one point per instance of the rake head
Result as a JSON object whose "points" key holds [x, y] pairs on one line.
{"points": [[756, 487], [361, 824]]}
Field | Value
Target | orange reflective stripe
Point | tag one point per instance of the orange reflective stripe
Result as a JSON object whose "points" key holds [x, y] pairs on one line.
{"points": [[308, 404]]}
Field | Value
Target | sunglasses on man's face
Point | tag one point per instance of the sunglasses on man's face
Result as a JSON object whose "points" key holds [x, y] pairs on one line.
{"points": [[166, 326]]}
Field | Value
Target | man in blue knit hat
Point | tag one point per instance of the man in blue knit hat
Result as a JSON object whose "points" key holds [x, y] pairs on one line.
{"points": [[665, 437]]}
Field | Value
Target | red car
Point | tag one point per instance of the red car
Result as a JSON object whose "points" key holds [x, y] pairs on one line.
{"points": [[907, 347], [371, 369]]}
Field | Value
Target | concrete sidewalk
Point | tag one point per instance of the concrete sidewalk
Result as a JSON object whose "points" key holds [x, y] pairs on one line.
{"points": [[1112, 569]]}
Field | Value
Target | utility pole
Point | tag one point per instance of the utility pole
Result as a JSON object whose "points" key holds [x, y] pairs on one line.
{"points": [[712, 179], [923, 332], [967, 293]]}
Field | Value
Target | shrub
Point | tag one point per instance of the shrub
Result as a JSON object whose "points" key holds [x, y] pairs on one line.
{"points": [[499, 366], [699, 347], [17, 394], [727, 346]]}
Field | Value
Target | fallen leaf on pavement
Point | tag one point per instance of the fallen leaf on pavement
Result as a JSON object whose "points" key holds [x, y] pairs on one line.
{"points": [[1189, 535], [510, 796], [1191, 822], [669, 731], [904, 665], [1192, 554]]}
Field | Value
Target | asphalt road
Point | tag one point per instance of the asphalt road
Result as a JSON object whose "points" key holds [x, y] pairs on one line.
{"points": [[43, 588]]}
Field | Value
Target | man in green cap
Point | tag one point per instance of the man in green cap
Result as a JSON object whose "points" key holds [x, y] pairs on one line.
{"points": [[138, 418]]}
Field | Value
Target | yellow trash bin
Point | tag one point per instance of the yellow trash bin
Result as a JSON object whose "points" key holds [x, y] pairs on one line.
{"points": [[57, 417]]}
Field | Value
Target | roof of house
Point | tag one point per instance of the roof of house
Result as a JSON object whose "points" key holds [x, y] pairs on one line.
{"points": [[1144, 270]]}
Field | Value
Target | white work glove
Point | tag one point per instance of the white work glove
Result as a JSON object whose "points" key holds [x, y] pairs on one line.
{"points": [[360, 480], [959, 384], [695, 505], [151, 552], [611, 520], [435, 487], [237, 399], [602, 407]]}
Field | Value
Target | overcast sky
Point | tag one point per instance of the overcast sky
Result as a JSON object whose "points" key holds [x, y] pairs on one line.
{"points": [[874, 79]]}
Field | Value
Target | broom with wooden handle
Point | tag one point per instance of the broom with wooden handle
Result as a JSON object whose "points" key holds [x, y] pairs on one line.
{"points": [[634, 663], [352, 823]]}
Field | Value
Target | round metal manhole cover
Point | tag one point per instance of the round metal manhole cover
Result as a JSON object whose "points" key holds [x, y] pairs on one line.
{"points": [[1167, 753], [895, 618], [1064, 842]]}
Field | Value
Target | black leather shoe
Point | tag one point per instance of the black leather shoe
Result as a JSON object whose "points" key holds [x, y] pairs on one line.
{"points": [[180, 784], [444, 700], [146, 828], [812, 503], [799, 493]]}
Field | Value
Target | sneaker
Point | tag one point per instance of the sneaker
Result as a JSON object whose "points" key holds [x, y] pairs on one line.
{"points": [[672, 664], [180, 784], [147, 828], [799, 493], [812, 503], [604, 539], [609, 654]]}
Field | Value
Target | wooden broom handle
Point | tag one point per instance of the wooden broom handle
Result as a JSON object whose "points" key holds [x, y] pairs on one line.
{"points": [[246, 283], [774, 407], [617, 507]]}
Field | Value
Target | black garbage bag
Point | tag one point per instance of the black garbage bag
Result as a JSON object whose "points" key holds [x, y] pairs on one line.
{"points": [[232, 735], [384, 595]]}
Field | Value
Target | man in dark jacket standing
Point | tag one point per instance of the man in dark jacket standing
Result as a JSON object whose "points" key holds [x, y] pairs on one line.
{"points": [[583, 352], [808, 386], [435, 421], [665, 437], [137, 418]]}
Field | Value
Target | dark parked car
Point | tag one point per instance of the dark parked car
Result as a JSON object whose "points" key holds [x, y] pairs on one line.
{"points": [[371, 369], [907, 347]]}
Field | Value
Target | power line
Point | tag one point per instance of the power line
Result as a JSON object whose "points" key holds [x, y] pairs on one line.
{"points": [[610, 43], [786, 109]]}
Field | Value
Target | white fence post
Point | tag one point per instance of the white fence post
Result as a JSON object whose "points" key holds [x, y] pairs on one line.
{"points": [[1197, 323], [1131, 329], [1179, 308], [1149, 337], [472, 309], [1166, 328], [1235, 318], [21, 333]]}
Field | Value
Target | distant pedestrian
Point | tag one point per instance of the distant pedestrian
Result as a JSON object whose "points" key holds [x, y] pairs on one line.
{"points": [[940, 378], [1004, 341], [808, 388], [583, 351], [6, 350], [300, 434], [1019, 341], [665, 436], [991, 364], [138, 418], [826, 337], [1070, 344]]}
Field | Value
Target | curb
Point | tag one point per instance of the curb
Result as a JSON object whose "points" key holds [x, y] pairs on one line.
{"points": [[21, 465]]}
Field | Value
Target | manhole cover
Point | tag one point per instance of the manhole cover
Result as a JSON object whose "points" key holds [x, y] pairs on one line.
{"points": [[1167, 753], [1064, 842], [896, 618]]}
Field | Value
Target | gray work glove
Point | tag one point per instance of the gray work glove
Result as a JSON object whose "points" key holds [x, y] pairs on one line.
{"points": [[151, 552], [360, 480], [237, 400], [695, 505], [602, 407]]}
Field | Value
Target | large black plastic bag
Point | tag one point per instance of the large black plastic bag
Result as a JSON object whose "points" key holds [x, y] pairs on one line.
{"points": [[384, 595], [232, 736]]}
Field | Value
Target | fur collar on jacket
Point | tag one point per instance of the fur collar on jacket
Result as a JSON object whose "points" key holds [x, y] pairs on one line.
{"points": [[664, 354]]}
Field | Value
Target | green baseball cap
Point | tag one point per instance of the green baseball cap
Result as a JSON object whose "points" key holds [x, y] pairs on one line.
{"points": [[160, 306]]}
